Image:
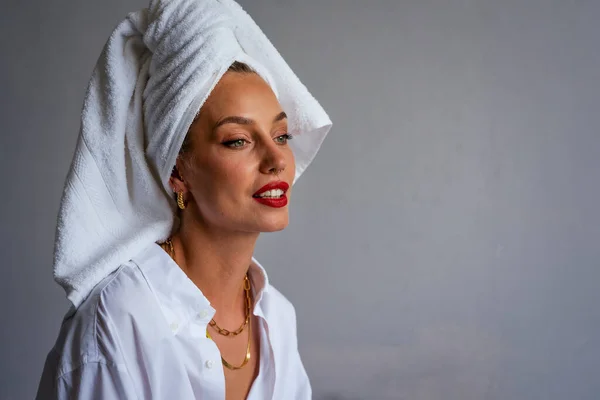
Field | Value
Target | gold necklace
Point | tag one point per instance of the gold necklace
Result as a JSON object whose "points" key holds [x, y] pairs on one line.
{"points": [[213, 323], [225, 332], [246, 359]]}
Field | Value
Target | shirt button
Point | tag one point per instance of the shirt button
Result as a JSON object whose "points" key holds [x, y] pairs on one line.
{"points": [[203, 314], [209, 364], [174, 326]]}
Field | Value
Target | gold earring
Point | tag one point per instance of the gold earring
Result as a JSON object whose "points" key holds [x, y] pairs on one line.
{"points": [[180, 202]]}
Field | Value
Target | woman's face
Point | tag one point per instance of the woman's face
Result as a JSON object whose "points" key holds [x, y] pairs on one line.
{"points": [[238, 171]]}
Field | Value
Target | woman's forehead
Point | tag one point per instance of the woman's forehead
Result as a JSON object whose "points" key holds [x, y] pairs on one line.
{"points": [[241, 95]]}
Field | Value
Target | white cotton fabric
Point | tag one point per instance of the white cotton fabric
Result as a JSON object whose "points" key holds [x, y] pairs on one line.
{"points": [[155, 72], [141, 334]]}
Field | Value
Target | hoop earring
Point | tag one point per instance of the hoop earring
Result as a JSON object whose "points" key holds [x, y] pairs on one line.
{"points": [[180, 202]]}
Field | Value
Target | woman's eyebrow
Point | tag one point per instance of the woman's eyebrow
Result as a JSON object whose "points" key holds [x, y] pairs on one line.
{"points": [[280, 116], [234, 119]]}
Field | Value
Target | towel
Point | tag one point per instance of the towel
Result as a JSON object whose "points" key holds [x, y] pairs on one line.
{"points": [[156, 70]]}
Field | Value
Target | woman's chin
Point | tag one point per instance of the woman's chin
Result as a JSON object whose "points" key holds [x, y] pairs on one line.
{"points": [[274, 225]]}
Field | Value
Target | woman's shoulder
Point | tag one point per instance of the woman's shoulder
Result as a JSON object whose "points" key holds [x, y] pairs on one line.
{"points": [[124, 292], [91, 332], [278, 299], [279, 309], [281, 319]]}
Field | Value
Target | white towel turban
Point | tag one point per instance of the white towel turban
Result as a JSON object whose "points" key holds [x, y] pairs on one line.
{"points": [[155, 72]]}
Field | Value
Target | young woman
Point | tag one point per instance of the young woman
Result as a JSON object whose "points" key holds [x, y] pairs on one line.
{"points": [[193, 316]]}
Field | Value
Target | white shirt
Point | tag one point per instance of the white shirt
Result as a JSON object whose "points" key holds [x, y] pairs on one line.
{"points": [[141, 334]]}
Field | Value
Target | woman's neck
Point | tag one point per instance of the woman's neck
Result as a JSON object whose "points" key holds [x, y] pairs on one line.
{"points": [[216, 261]]}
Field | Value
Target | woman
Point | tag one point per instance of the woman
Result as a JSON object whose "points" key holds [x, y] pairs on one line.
{"points": [[190, 314]]}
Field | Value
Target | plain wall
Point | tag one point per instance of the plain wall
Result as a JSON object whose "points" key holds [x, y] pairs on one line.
{"points": [[445, 242]]}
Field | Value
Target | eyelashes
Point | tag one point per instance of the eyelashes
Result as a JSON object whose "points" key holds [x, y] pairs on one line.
{"points": [[236, 143], [239, 143], [283, 139]]}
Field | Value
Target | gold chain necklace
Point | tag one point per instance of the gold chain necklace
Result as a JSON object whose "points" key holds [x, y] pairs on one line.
{"points": [[226, 332], [246, 359], [213, 323]]}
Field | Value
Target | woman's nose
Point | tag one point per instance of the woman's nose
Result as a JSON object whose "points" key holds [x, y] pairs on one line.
{"points": [[273, 161]]}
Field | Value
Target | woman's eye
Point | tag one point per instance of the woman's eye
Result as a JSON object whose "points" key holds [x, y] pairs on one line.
{"points": [[235, 143], [283, 138]]}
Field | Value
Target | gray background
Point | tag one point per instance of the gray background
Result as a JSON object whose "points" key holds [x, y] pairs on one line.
{"points": [[445, 242]]}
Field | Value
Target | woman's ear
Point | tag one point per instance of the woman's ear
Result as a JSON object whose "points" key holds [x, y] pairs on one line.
{"points": [[176, 179]]}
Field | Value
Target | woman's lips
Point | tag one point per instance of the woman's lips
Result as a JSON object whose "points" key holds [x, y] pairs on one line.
{"points": [[281, 185], [273, 202], [272, 194]]}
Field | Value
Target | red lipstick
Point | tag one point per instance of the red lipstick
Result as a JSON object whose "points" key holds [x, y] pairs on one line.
{"points": [[276, 202]]}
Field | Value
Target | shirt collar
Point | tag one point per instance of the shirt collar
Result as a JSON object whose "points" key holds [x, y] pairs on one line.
{"points": [[179, 298]]}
